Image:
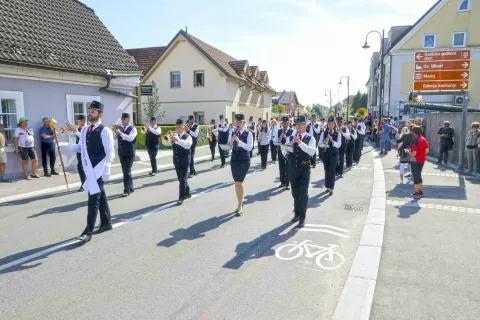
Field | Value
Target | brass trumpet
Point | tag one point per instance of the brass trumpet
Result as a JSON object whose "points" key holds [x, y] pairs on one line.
{"points": [[68, 128], [168, 137], [114, 127], [145, 128]]}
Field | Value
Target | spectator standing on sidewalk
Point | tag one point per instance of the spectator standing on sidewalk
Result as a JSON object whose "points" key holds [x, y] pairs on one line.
{"points": [[471, 149], [3, 152], [23, 139], [404, 139], [418, 152], [384, 136], [446, 141], [47, 143]]}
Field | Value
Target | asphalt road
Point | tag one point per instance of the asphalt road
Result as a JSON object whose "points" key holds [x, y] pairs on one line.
{"points": [[196, 261]]}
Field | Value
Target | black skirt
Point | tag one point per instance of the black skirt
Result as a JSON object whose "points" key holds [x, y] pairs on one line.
{"points": [[239, 169]]}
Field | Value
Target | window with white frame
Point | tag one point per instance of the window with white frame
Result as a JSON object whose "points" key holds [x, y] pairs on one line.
{"points": [[199, 78], [429, 40], [465, 5], [459, 39], [175, 79], [11, 106], [78, 105]]}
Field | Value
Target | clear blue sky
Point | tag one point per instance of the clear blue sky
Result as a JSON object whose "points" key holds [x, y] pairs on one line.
{"points": [[305, 45]]}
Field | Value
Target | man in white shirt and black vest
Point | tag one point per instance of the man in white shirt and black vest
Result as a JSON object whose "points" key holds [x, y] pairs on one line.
{"points": [[78, 134], [223, 133], [152, 143], [322, 127], [330, 141], [181, 142], [313, 129], [212, 138], [361, 129], [193, 130], [343, 130], [97, 153], [127, 139], [304, 147], [281, 138], [252, 127]]}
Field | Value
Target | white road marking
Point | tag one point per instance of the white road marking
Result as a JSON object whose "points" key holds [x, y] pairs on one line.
{"points": [[325, 257], [323, 228], [419, 204], [357, 297], [116, 225], [326, 231], [326, 226]]}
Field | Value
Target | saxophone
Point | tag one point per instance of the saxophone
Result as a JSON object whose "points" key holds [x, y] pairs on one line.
{"points": [[210, 136]]}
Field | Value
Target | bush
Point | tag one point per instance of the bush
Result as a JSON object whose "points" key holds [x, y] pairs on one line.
{"points": [[141, 138]]}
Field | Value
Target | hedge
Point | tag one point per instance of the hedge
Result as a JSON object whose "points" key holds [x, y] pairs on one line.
{"points": [[141, 138]]}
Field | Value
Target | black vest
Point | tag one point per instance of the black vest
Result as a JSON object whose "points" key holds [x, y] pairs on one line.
{"points": [[95, 149], [288, 134], [193, 129], [223, 136], [252, 128], [181, 156], [152, 140], [214, 137], [299, 158], [359, 128], [351, 142], [330, 149], [126, 148], [344, 140], [77, 139], [315, 134], [240, 154]]}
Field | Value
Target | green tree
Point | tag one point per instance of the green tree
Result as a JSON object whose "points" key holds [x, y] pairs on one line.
{"points": [[318, 109], [152, 107], [279, 109]]}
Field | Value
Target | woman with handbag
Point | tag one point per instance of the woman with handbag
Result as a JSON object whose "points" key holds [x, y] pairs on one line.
{"points": [[418, 152], [404, 139]]}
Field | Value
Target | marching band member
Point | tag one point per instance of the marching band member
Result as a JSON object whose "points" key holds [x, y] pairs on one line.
{"points": [[341, 152], [313, 129], [304, 147], [78, 134], [222, 132], [127, 138], [264, 137], [330, 141], [351, 144], [193, 130], [322, 128], [242, 145], [357, 154], [257, 132], [281, 138], [273, 148], [97, 153], [251, 127], [212, 138], [152, 143], [181, 142]]}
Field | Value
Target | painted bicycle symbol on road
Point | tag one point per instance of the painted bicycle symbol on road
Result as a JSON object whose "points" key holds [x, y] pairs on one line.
{"points": [[326, 257]]}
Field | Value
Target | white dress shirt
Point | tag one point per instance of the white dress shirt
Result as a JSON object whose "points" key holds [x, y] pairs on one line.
{"points": [[276, 138], [317, 129], [254, 131], [107, 140], [346, 134], [196, 132], [337, 144], [309, 148], [264, 137], [186, 144], [221, 127], [128, 137], [353, 134], [246, 146], [362, 128], [156, 131]]}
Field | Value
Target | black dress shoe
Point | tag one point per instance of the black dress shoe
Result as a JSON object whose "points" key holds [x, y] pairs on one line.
{"points": [[190, 176], [295, 219], [301, 224], [81, 189], [125, 194], [188, 196], [104, 229], [179, 202], [287, 187], [222, 166], [84, 237], [132, 190], [55, 173], [282, 186], [153, 174]]}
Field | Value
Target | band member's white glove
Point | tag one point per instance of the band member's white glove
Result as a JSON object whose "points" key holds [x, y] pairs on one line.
{"points": [[106, 175]]}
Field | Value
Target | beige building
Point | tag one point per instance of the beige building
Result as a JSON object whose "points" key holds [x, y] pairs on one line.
{"points": [[448, 25], [195, 78]]}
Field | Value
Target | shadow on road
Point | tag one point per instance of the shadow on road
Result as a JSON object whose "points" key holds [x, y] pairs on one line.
{"points": [[263, 196], [407, 210], [27, 264], [316, 201], [431, 192], [260, 247], [196, 231]]}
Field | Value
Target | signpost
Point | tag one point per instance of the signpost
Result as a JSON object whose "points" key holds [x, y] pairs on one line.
{"points": [[442, 71]]}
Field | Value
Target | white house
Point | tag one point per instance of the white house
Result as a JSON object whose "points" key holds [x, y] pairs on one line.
{"points": [[195, 78]]}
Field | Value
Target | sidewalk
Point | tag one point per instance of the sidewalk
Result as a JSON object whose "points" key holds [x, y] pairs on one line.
{"points": [[18, 188], [430, 256]]}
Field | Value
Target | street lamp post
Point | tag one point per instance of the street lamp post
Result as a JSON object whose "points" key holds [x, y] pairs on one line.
{"points": [[348, 90], [330, 100], [382, 69]]}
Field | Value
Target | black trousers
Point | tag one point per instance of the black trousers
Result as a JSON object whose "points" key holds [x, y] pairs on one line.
{"points": [[263, 150], [443, 153], [222, 155], [253, 148], [320, 153], [341, 161], [192, 158], [417, 172], [357, 153], [283, 167], [213, 145], [127, 163], [182, 175], [330, 160], [80, 170], [98, 202], [48, 149], [349, 155], [273, 151], [300, 180], [152, 154]]}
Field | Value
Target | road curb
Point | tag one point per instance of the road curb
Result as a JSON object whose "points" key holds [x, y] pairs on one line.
{"points": [[357, 297]]}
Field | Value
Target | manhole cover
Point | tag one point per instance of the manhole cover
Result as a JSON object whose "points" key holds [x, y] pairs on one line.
{"points": [[353, 207]]}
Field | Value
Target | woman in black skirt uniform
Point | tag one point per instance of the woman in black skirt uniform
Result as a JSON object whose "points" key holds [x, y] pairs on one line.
{"points": [[242, 144], [330, 141]]}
